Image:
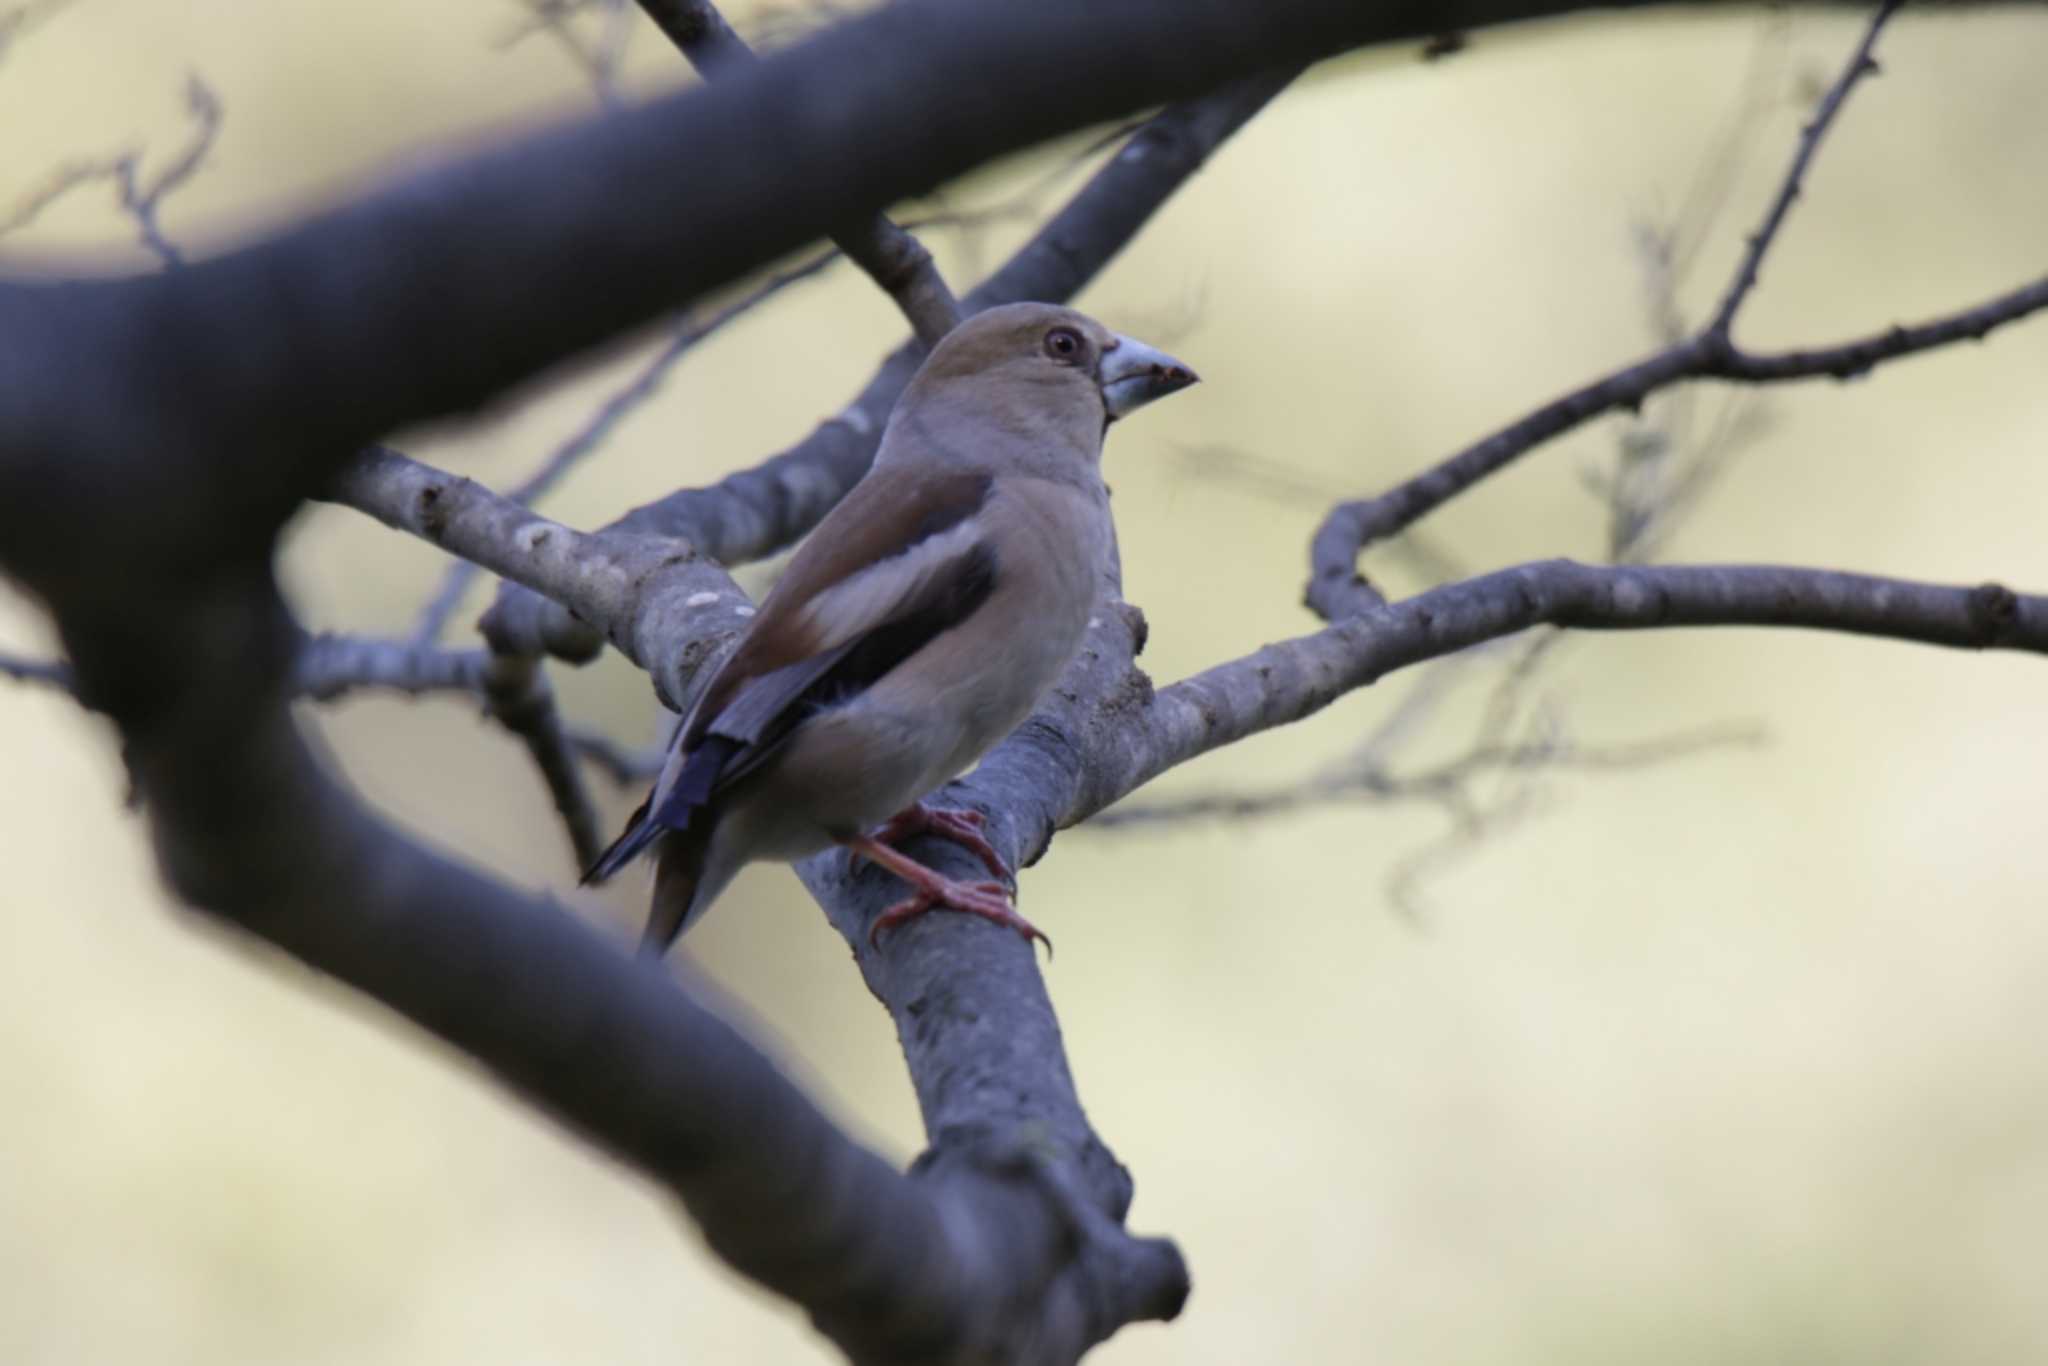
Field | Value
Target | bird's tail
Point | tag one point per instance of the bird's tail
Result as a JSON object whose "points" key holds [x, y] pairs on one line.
{"points": [[638, 834], [678, 878]]}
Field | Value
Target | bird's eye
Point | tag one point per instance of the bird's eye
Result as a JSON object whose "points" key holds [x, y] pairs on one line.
{"points": [[1063, 343]]}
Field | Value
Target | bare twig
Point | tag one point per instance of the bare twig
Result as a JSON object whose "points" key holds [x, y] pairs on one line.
{"points": [[520, 699], [1335, 587], [625, 767], [892, 257], [1860, 65], [1433, 784], [603, 420], [598, 57], [330, 666], [18, 22]]}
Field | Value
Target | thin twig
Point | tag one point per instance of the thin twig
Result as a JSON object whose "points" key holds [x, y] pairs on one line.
{"points": [[893, 258], [1434, 784], [603, 420], [140, 197], [520, 699], [1336, 589], [625, 767], [1860, 65]]}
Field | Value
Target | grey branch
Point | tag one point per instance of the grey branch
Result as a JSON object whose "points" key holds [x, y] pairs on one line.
{"points": [[329, 666], [520, 699], [893, 258], [625, 767], [1336, 589], [616, 407], [1293, 679], [1860, 65]]}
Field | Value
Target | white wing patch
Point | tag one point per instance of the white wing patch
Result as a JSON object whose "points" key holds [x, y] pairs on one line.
{"points": [[860, 602]]}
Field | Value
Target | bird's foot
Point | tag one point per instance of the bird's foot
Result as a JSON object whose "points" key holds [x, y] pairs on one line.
{"points": [[932, 890], [962, 827]]}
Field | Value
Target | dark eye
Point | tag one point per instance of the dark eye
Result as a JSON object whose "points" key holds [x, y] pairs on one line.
{"points": [[1063, 343]]}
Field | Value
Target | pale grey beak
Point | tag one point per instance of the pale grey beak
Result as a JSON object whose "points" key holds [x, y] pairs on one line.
{"points": [[1132, 374]]}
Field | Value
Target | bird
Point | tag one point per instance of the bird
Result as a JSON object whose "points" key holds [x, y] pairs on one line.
{"points": [[919, 623]]}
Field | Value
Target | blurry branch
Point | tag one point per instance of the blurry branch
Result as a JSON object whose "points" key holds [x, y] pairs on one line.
{"points": [[19, 21], [756, 512], [329, 666], [625, 767], [604, 419], [53, 673], [1336, 589], [892, 258], [1444, 784], [141, 197], [599, 57]]}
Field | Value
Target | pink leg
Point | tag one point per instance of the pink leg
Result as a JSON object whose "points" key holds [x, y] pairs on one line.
{"points": [[930, 890], [961, 827]]}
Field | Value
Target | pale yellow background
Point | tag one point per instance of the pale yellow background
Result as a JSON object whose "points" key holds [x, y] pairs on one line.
{"points": [[1738, 1059]]}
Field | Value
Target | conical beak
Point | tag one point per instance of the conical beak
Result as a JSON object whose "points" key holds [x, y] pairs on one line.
{"points": [[1132, 374]]}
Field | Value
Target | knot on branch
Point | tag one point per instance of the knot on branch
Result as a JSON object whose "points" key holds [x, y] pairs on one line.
{"points": [[1994, 613]]}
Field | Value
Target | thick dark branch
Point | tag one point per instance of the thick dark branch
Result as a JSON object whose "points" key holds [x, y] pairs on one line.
{"points": [[759, 511], [892, 258], [952, 1267]]}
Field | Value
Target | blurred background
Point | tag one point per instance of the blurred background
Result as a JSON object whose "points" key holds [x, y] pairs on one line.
{"points": [[1727, 1049]]}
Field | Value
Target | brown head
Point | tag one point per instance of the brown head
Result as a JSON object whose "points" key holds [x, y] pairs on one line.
{"points": [[1041, 371]]}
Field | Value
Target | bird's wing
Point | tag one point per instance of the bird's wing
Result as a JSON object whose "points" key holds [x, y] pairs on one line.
{"points": [[903, 558]]}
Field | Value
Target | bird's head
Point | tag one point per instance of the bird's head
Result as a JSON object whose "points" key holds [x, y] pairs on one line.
{"points": [[1050, 365]]}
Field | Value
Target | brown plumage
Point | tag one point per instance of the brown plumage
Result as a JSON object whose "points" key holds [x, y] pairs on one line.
{"points": [[918, 625]]}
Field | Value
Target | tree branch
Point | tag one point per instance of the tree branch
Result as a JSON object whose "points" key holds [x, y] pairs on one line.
{"points": [[1335, 587], [892, 258], [1860, 65], [608, 415], [1294, 679], [329, 666], [520, 699]]}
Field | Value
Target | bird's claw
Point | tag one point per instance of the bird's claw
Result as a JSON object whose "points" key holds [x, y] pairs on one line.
{"points": [[960, 826], [989, 900]]}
